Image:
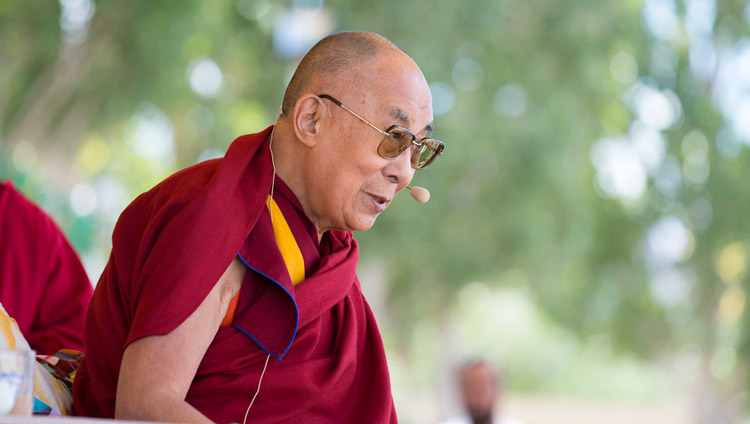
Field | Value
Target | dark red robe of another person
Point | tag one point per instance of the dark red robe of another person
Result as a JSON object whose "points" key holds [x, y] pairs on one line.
{"points": [[172, 244], [43, 285]]}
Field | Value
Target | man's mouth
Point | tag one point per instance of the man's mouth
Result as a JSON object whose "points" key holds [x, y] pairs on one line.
{"points": [[381, 202]]}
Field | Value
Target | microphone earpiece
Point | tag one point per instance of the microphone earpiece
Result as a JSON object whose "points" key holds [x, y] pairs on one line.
{"points": [[420, 194]]}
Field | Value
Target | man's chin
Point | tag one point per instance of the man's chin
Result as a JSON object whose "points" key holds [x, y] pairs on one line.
{"points": [[364, 224]]}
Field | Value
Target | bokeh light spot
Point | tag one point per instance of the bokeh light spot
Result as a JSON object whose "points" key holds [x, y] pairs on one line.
{"points": [[731, 263], [94, 155], [152, 136], [620, 172], [83, 199], [731, 305], [723, 363], [75, 16], [205, 77], [510, 101], [623, 67], [24, 156], [298, 29], [468, 74], [649, 145], [668, 178], [670, 287], [668, 241], [247, 116], [660, 18], [443, 98], [701, 213], [657, 109]]}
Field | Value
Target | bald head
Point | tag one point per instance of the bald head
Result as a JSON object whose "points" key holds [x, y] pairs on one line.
{"points": [[481, 367], [337, 53]]}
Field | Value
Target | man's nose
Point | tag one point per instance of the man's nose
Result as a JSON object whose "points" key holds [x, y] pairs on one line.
{"points": [[399, 170]]}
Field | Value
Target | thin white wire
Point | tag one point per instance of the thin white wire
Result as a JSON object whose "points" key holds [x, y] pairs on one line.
{"points": [[273, 180], [273, 163], [270, 205], [260, 380]]}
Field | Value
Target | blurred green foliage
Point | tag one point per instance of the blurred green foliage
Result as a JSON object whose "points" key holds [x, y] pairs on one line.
{"points": [[513, 191]]}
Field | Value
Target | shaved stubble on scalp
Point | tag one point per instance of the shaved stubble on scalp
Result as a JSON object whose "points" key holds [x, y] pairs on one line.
{"points": [[345, 51]]}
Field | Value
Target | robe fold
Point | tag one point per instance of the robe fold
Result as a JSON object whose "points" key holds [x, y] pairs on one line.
{"points": [[171, 245], [43, 285]]}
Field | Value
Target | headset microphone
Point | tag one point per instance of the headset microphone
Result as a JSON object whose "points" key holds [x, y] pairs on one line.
{"points": [[420, 194]]}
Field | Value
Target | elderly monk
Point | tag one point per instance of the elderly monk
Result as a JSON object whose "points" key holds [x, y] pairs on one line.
{"points": [[231, 293], [43, 285]]}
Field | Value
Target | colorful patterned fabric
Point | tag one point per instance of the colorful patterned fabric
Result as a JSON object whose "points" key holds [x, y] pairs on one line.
{"points": [[53, 375]]}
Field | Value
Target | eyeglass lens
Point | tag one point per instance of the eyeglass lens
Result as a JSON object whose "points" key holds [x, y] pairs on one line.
{"points": [[425, 153], [392, 146]]}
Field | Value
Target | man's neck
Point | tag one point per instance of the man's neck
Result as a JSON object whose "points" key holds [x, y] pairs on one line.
{"points": [[281, 153]]}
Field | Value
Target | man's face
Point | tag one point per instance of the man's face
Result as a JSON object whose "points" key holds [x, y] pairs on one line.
{"points": [[480, 392], [351, 183]]}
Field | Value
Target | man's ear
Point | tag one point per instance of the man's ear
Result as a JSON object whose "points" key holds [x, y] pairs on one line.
{"points": [[306, 118]]}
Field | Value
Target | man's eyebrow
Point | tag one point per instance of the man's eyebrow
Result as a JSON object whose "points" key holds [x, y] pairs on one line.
{"points": [[401, 116]]}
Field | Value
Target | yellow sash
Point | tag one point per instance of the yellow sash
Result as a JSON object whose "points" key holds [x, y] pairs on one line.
{"points": [[290, 251]]}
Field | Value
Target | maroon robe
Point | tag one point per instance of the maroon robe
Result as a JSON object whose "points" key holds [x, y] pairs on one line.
{"points": [[42, 282], [172, 244]]}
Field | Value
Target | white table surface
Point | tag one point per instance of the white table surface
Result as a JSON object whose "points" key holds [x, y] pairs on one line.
{"points": [[40, 419]]}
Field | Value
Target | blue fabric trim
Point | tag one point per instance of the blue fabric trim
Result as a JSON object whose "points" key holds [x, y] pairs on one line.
{"points": [[257, 342], [294, 302], [41, 407]]}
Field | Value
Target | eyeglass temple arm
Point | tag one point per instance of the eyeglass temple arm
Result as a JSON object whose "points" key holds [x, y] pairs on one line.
{"points": [[338, 103]]}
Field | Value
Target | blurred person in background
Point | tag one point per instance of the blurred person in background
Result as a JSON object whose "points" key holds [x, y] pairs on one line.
{"points": [[43, 285], [236, 260], [482, 395]]}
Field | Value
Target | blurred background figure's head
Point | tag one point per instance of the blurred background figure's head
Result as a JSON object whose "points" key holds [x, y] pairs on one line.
{"points": [[481, 388]]}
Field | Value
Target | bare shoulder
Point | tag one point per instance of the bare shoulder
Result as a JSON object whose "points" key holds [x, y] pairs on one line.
{"points": [[231, 282]]}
